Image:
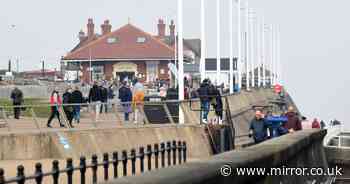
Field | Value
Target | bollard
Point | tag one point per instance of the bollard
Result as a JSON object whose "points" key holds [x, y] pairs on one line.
{"points": [[82, 169], [162, 153], [20, 175], [69, 171], [105, 165], [142, 157], [156, 154], [179, 148], [174, 148], [133, 161], [125, 162], [94, 168], [168, 149], [2, 176], [184, 151], [55, 171], [115, 164], [149, 157]]}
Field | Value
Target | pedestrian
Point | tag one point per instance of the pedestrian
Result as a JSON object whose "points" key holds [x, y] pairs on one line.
{"points": [[203, 93], [55, 103], [218, 106], [305, 123], [104, 99], [316, 124], [125, 96], [323, 124], [17, 100], [67, 108], [138, 99], [258, 129], [293, 123], [95, 100], [77, 100]]}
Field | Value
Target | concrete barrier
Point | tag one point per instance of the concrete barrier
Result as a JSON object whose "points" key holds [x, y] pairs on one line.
{"points": [[64, 144], [300, 149]]}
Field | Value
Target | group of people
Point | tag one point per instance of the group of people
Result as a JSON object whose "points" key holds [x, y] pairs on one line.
{"points": [[210, 95], [263, 127]]}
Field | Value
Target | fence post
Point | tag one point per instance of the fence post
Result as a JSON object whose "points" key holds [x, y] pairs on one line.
{"points": [[105, 165], [174, 147], [133, 161], [156, 154], [20, 175], [125, 162], [115, 164], [142, 157], [168, 149], [94, 168], [38, 173], [184, 151], [179, 148], [2, 176], [149, 157], [55, 171], [70, 171], [82, 169], [162, 153]]}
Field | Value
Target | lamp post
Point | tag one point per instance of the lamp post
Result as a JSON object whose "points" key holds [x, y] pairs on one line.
{"points": [[231, 47], [218, 42], [180, 49], [203, 41], [239, 49], [247, 44]]}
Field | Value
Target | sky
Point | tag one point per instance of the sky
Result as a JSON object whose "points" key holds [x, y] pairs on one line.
{"points": [[315, 39]]}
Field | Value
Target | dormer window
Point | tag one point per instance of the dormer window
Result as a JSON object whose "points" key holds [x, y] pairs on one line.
{"points": [[141, 39], [112, 40]]}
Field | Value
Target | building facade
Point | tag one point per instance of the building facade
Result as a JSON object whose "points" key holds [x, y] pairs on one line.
{"points": [[126, 53]]}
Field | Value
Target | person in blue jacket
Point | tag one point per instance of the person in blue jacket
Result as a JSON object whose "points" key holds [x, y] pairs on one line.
{"points": [[258, 128]]}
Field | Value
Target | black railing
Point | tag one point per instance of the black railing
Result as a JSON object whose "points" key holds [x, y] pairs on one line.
{"points": [[176, 153]]}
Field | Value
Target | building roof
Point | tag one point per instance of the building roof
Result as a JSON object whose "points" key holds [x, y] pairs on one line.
{"points": [[124, 46]]}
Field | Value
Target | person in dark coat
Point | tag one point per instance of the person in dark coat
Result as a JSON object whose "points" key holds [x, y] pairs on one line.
{"points": [[218, 106], [203, 93], [17, 99], [68, 109], [104, 99], [77, 98], [125, 96], [293, 123], [95, 99], [258, 129]]}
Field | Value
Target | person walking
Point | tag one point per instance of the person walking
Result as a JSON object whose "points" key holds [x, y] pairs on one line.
{"points": [[203, 93], [68, 109], [138, 100], [104, 99], [77, 99], [316, 124], [258, 129], [293, 124], [218, 106], [125, 96], [17, 100], [55, 102], [95, 99]]}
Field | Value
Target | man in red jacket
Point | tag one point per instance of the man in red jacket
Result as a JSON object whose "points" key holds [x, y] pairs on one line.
{"points": [[293, 123]]}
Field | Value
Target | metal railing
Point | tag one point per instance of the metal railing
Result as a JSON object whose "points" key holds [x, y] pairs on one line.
{"points": [[172, 151]]}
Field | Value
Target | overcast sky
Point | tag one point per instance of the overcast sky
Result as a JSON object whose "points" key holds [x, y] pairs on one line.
{"points": [[315, 39]]}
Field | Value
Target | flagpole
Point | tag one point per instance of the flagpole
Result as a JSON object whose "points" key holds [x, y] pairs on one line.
{"points": [[203, 46], [180, 50], [247, 43], [258, 51], [251, 47], [218, 42], [239, 49], [231, 47], [263, 60]]}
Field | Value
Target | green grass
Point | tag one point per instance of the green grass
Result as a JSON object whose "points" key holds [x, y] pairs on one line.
{"points": [[42, 111]]}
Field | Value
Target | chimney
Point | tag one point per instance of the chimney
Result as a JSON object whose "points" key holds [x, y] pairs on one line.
{"points": [[106, 27], [81, 35], [161, 28], [90, 28], [172, 29]]}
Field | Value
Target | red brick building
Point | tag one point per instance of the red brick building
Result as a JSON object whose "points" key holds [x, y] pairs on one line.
{"points": [[126, 52]]}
